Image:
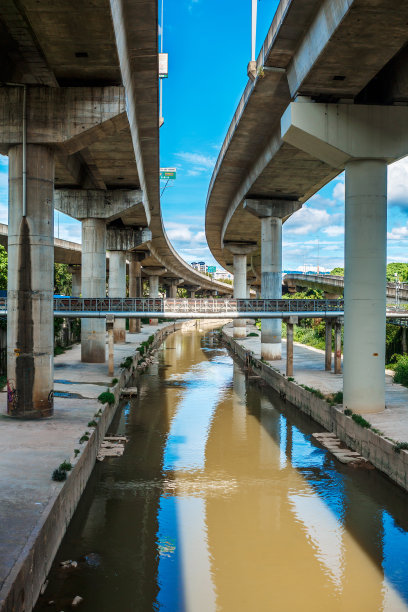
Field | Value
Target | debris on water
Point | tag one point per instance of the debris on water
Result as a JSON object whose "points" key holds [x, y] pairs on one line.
{"points": [[341, 452], [111, 446], [68, 564], [93, 559], [129, 391], [76, 601]]}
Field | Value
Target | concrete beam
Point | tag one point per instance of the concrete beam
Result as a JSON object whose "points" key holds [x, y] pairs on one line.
{"points": [[96, 204], [337, 133], [271, 207], [126, 239], [70, 116]]}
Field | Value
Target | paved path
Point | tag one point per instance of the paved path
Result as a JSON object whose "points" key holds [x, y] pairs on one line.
{"points": [[308, 368], [31, 450]]}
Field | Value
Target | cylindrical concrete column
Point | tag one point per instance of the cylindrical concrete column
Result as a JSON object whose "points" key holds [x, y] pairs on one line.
{"points": [[117, 289], [328, 347], [153, 293], [240, 274], [93, 332], [76, 282], [30, 322], [271, 262], [173, 290], [192, 294], [365, 285], [135, 288]]}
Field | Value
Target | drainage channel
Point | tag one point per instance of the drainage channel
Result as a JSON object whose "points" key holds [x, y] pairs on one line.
{"points": [[224, 500]]}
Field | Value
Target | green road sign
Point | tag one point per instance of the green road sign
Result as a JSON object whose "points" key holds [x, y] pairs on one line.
{"points": [[167, 174]]}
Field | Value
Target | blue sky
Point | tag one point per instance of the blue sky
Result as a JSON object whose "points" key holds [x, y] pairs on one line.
{"points": [[209, 45]]}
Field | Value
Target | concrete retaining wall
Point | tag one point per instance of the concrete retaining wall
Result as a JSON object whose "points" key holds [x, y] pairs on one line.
{"points": [[22, 588], [374, 447]]}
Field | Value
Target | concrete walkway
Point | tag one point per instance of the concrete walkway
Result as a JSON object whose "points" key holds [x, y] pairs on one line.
{"points": [[308, 369], [31, 450]]}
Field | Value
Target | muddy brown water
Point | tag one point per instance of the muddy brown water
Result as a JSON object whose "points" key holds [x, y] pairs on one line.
{"points": [[223, 501]]}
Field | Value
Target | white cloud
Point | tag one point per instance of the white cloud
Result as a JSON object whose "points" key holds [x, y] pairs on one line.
{"points": [[339, 191], [398, 233], [309, 220], [398, 182], [334, 230], [199, 163], [180, 233]]}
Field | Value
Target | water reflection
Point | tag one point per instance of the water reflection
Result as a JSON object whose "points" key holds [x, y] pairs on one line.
{"points": [[223, 502]]}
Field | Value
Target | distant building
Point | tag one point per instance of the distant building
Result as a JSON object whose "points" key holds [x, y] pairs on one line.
{"points": [[200, 266]]}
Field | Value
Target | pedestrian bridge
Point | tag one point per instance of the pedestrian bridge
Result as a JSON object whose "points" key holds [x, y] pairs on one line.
{"points": [[199, 308]]}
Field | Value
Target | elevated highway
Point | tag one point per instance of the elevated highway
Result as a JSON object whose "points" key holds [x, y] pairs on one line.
{"points": [[334, 285], [329, 92], [79, 122]]}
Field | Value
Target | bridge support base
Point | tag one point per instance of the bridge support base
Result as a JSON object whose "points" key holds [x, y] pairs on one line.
{"points": [[117, 289], [154, 293], [135, 287], [30, 328], [240, 291], [365, 286], [93, 332], [362, 140]]}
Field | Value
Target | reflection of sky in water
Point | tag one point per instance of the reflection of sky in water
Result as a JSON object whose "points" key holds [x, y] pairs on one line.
{"points": [[182, 532], [318, 468], [205, 385], [395, 549], [320, 508]]}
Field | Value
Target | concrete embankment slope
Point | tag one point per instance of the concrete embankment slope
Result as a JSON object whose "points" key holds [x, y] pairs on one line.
{"points": [[34, 510], [378, 448]]}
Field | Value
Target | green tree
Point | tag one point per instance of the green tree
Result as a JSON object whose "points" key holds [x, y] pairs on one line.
{"points": [[62, 279], [3, 268], [337, 272], [397, 268]]}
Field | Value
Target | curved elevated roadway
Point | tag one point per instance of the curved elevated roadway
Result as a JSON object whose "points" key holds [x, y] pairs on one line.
{"points": [[100, 53], [334, 285], [329, 92], [325, 50]]}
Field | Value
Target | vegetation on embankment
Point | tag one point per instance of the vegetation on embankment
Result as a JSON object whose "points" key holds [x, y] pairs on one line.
{"points": [[401, 269]]}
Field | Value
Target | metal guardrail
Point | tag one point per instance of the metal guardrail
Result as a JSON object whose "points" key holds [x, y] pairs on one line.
{"points": [[186, 306]]}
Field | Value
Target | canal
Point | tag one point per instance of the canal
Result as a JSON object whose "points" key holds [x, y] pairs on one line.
{"points": [[223, 501]]}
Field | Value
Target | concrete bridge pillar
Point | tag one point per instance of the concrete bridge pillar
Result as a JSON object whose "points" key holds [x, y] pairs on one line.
{"points": [[30, 323], [240, 262], [117, 289], [240, 250], [76, 280], [362, 140], [135, 287], [93, 331], [154, 276], [271, 213], [173, 289]]}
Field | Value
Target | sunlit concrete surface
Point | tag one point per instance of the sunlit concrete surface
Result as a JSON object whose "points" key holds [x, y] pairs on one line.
{"points": [[308, 369], [31, 450]]}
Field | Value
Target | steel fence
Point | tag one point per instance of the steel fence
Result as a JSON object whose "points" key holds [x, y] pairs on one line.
{"points": [[195, 305]]}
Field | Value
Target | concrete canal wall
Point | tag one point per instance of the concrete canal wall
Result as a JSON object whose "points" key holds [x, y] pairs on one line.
{"points": [[27, 574], [378, 449]]}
